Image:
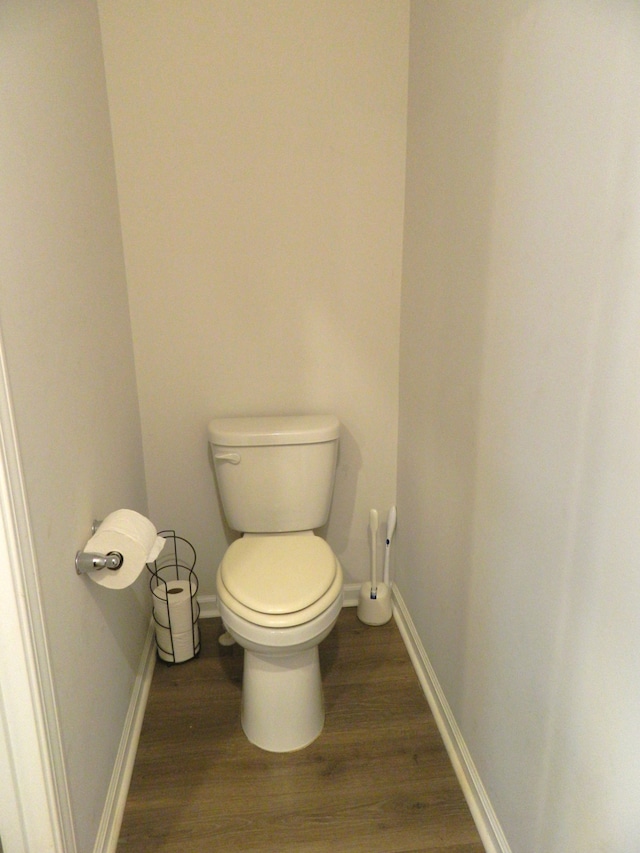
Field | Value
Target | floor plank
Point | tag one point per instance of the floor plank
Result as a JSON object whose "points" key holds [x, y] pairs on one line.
{"points": [[377, 780]]}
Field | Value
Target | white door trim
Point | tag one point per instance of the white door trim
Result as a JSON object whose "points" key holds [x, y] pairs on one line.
{"points": [[35, 809]]}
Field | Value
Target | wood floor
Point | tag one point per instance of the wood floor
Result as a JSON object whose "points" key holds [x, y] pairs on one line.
{"points": [[377, 780]]}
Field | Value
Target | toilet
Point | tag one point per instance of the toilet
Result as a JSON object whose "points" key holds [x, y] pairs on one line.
{"points": [[280, 585]]}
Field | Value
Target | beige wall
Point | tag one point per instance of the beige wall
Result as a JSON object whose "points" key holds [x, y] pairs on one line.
{"points": [[67, 339], [518, 475], [260, 160]]}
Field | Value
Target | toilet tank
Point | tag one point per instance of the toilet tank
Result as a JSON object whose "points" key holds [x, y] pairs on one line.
{"points": [[275, 474]]}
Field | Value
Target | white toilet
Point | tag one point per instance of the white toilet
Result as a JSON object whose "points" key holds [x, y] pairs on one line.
{"points": [[279, 586]]}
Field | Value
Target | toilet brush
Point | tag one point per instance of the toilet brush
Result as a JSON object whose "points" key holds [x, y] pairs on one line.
{"points": [[374, 601]]}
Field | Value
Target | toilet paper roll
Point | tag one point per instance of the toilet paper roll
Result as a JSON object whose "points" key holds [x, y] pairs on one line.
{"points": [[174, 604], [177, 648], [130, 534]]}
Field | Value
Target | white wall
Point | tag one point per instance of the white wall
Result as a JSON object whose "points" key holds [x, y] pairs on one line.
{"points": [[260, 158], [67, 337], [519, 385]]}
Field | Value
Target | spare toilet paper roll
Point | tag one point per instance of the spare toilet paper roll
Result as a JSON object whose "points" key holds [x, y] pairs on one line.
{"points": [[130, 534], [173, 605], [179, 647]]}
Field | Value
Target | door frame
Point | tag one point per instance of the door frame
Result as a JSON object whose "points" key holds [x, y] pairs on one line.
{"points": [[35, 808]]}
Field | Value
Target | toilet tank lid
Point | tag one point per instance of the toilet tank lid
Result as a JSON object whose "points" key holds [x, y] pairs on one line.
{"points": [[272, 430]]}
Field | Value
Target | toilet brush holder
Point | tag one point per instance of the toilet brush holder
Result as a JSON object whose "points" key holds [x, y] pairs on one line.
{"points": [[374, 611]]}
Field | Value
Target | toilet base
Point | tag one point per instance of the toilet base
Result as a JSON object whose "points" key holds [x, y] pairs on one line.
{"points": [[282, 704]]}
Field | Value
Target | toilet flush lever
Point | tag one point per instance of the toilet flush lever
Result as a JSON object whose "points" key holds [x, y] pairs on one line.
{"points": [[234, 458]]}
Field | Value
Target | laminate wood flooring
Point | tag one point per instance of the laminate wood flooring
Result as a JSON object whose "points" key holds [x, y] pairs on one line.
{"points": [[377, 780]]}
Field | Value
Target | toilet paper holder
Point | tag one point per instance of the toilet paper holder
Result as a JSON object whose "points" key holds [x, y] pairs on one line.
{"points": [[86, 561], [175, 564]]}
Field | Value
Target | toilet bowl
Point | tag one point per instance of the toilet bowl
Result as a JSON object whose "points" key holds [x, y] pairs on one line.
{"points": [[279, 596]]}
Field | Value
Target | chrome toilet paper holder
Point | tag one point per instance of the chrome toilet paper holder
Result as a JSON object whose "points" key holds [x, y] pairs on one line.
{"points": [[87, 561]]}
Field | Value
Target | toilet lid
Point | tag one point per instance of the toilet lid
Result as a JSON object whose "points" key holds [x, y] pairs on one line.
{"points": [[278, 574]]}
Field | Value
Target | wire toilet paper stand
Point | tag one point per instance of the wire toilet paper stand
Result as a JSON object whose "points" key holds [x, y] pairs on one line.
{"points": [[174, 588]]}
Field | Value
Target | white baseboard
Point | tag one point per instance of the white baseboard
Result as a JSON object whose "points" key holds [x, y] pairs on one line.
{"points": [[112, 814], [351, 594], [208, 606], [209, 603], [485, 818]]}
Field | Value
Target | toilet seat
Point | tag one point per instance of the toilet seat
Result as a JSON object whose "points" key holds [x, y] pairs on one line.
{"points": [[279, 581]]}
